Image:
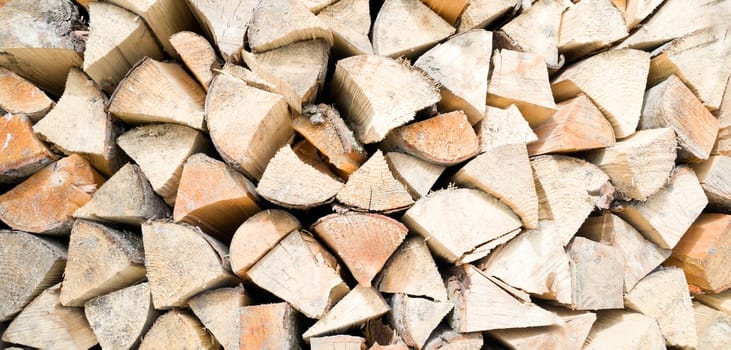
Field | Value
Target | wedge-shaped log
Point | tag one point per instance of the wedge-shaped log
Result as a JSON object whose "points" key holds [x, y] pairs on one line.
{"points": [[340, 342], [350, 23], [159, 92], [218, 311], [247, 144], [460, 66], [120, 319], [180, 330], [537, 28], [301, 272], [358, 306], [21, 284], [425, 29], [712, 174], [181, 262], [640, 164], [100, 260], [590, 26], [447, 338], [197, 54], [481, 13], [595, 285], [665, 216], [624, 329], [373, 188], [570, 335], [614, 80], [225, 22], [294, 23], [412, 271], [415, 318], [578, 125], [20, 96], [712, 327], [377, 94], [723, 141], [269, 326], [257, 236], [503, 127], [635, 11], [22, 153], [46, 201], [418, 176], [458, 221], [720, 301]]}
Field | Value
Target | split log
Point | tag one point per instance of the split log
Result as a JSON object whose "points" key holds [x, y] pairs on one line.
{"points": [[640, 164], [590, 26], [79, 124], [568, 191], [214, 197], [40, 41], [595, 283], [178, 329], [665, 216], [487, 171], [720, 301], [377, 94], [723, 140], [30, 265], [424, 28], [159, 92], [218, 310], [671, 104], [100, 260], [350, 23], [270, 326], [364, 242], [578, 125], [120, 318], [257, 236], [290, 182], [663, 295], [373, 188], [460, 66], [481, 13], [247, 76], [481, 305], [247, 144], [614, 80], [411, 270], [623, 329], [197, 54], [712, 174], [275, 83], [701, 253], [46, 201], [713, 328], [45, 323], [521, 78], [570, 335], [21, 154], [181, 262], [450, 11], [173, 144], [416, 175], [503, 127], [640, 256], [338, 342], [300, 271], [125, 198], [536, 30], [117, 39], [354, 309], [20, 96], [294, 22], [415, 318], [455, 222], [635, 11], [445, 338], [225, 22]]}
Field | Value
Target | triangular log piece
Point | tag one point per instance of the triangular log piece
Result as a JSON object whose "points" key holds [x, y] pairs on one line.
{"points": [[377, 94], [218, 310], [713, 175], [269, 326], [665, 216], [713, 327], [247, 76], [663, 295], [445, 338], [596, 285], [701, 253], [418, 176], [635, 11], [487, 171], [720, 301], [173, 144], [39, 42], [481, 305], [45, 202], [20, 96], [301, 272], [178, 329], [159, 92], [615, 329], [225, 22], [503, 127], [373, 188], [340, 342], [568, 336], [364, 242], [640, 164], [723, 141], [181, 262], [117, 40], [614, 80], [590, 26], [481, 13], [18, 252], [577, 126], [101, 260], [294, 22], [257, 236], [446, 139], [22, 153], [350, 23], [415, 318], [412, 271], [407, 28], [537, 28], [214, 197], [275, 84], [197, 54], [247, 144], [640, 255], [457, 221], [568, 191], [521, 78], [451, 11], [120, 318], [80, 124], [460, 66], [46, 324], [354, 309]]}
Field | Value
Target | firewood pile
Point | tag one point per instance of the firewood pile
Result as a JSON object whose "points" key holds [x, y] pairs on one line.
{"points": [[353, 174]]}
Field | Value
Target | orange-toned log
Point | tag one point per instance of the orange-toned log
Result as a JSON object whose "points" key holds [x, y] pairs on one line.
{"points": [[21, 153], [20, 96], [269, 326]]}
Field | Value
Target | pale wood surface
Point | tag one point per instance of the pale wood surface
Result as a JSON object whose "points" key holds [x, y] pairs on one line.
{"points": [[350, 23], [503, 127], [225, 22], [411, 270], [20, 96], [712, 174], [418, 176], [626, 330], [354, 309], [338, 342], [218, 311], [275, 83], [247, 76], [268, 326], [294, 22], [635, 11], [723, 141], [481, 13], [447, 339], [569, 335], [373, 188], [590, 26], [197, 54], [537, 28], [415, 318], [713, 328], [178, 329], [720, 301], [22, 153], [407, 28], [595, 283]]}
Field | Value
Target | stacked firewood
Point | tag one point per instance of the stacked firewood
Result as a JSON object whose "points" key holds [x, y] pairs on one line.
{"points": [[352, 174]]}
